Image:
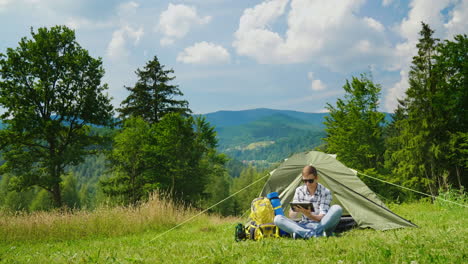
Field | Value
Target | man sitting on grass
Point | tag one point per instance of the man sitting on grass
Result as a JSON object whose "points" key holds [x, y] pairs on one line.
{"points": [[320, 222]]}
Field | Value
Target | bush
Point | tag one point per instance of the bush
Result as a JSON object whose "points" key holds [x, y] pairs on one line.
{"points": [[452, 198]]}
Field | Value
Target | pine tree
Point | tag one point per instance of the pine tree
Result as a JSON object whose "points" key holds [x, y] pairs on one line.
{"points": [[433, 116], [152, 96]]}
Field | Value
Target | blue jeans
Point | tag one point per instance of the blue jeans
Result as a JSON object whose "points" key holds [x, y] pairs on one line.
{"points": [[311, 228]]}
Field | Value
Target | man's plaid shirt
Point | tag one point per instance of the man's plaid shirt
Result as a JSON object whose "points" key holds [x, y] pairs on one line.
{"points": [[321, 199]]}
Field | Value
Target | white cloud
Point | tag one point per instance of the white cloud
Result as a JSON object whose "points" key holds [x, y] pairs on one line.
{"points": [[374, 24], [324, 110], [316, 30], [316, 85], [135, 34], [117, 47], [4, 4], [309, 99], [128, 9], [253, 38], [458, 24], [427, 11], [396, 92], [204, 53], [176, 22], [363, 46], [128, 31], [81, 23], [386, 2]]}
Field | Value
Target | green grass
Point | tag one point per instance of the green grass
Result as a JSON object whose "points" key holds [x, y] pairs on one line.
{"points": [[441, 238]]}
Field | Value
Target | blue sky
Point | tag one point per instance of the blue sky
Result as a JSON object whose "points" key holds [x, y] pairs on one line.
{"points": [[236, 55]]}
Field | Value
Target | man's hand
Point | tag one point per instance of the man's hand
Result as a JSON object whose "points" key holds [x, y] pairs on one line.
{"points": [[302, 210], [308, 213]]}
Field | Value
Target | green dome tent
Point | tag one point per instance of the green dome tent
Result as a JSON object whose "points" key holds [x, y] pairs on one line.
{"points": [[348, 190]]}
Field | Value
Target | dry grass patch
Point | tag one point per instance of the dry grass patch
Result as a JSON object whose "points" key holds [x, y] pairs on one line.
{"points": [[159, 212]]}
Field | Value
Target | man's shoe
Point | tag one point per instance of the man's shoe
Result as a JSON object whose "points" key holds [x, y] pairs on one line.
{"points": [[296, 236], [309, 235]]}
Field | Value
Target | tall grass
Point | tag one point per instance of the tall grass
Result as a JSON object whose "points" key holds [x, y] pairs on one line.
{"points": [[160, 212]]}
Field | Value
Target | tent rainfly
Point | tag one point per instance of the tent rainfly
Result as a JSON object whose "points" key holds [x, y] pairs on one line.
{"points": [[348, 190]]}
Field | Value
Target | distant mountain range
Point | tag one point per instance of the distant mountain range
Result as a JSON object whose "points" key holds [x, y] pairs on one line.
{"points": [[235, 118], [266, 135]]}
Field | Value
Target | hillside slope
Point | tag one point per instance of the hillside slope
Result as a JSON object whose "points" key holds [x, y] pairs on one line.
{"points": [[266, 135]]}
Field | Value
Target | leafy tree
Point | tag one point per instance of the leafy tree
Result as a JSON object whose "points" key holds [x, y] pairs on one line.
{"points": [[130, 160], [451, 67], [50, 88], [176, 155], [152, 96], [354, 126], [181, 150]]}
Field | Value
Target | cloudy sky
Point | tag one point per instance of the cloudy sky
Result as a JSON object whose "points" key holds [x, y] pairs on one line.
{"points": [[244, 54]]}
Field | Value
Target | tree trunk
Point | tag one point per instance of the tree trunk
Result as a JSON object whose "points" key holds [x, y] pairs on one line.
{"points": [[430, 186], [458, 177], [56, 195], [173, 185], [54, 172], [133, 199]]}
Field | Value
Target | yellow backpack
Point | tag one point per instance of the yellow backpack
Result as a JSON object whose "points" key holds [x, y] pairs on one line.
{"points": [[261, 224]]}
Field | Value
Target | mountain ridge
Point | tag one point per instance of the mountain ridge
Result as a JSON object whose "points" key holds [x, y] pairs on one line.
{"points": [[225, 118]]}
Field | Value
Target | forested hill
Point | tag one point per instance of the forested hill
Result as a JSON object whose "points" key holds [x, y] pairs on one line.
{"points": [[235, 118], [263, 136]]}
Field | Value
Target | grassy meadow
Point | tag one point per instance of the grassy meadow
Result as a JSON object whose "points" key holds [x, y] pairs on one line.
{"points": [[139, 235]]}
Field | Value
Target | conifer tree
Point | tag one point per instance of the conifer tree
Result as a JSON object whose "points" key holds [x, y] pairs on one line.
{"points": [[152, 96], [433, 116], [413, 160]]}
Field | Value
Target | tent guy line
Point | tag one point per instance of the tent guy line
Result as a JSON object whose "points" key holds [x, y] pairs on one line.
{"points": [[409, 189], [269, 174], [204, 211]]}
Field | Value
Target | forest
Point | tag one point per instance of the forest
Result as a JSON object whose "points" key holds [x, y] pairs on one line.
{"points": [[65, 147]]}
